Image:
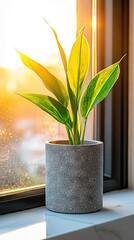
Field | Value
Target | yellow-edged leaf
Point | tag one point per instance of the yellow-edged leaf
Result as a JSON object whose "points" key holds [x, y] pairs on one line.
{"points": [[62, 53], [51, 82], [51, 106], [78, 64], [81, 31], [98, 88]]}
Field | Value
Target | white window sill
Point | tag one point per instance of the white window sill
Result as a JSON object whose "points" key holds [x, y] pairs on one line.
{"points": [[115, 221]]}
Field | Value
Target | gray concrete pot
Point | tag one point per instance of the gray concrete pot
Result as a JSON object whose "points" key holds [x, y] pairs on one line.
{"points": [[74, 177]]}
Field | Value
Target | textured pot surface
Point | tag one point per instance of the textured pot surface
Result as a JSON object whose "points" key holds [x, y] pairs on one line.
{"points": [[74, 177]]}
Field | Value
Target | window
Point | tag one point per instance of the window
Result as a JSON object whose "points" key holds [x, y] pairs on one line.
{"points": [[23, 127]]}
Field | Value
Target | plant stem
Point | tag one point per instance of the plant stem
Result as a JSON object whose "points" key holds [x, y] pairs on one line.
{"points": [[75, 127], [74, 107], [76, 132], [84, 129], [70, 135]]}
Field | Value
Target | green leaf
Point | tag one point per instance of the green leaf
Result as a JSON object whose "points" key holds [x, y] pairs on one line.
{"points": [[51, 82], [78, 65], [98, 88], [62, 53], [51, 106]]}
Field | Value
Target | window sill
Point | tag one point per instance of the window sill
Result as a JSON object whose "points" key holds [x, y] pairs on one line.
{"points": [[114, 222]]}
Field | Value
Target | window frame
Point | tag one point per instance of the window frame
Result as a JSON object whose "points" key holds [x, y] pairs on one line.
{"points": [[23, 200], [119, 101], [36, 197]]}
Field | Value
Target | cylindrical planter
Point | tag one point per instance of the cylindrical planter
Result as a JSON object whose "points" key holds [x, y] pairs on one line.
{"points": [[74, 176]]}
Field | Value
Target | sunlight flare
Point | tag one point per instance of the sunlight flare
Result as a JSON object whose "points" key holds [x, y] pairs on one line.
{"points": [[22, 27]]}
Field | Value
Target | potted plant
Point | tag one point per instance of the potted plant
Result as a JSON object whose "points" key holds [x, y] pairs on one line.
{"points": [[74, 167]]}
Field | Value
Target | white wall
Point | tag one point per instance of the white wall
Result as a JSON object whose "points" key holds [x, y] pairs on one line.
{"points": [[131, 96]]}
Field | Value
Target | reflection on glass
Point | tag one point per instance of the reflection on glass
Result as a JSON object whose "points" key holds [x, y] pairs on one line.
{"points": [[23, 127]]}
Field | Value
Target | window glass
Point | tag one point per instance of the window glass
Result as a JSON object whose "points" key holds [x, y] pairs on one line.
{"points": [[23, 127]]}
